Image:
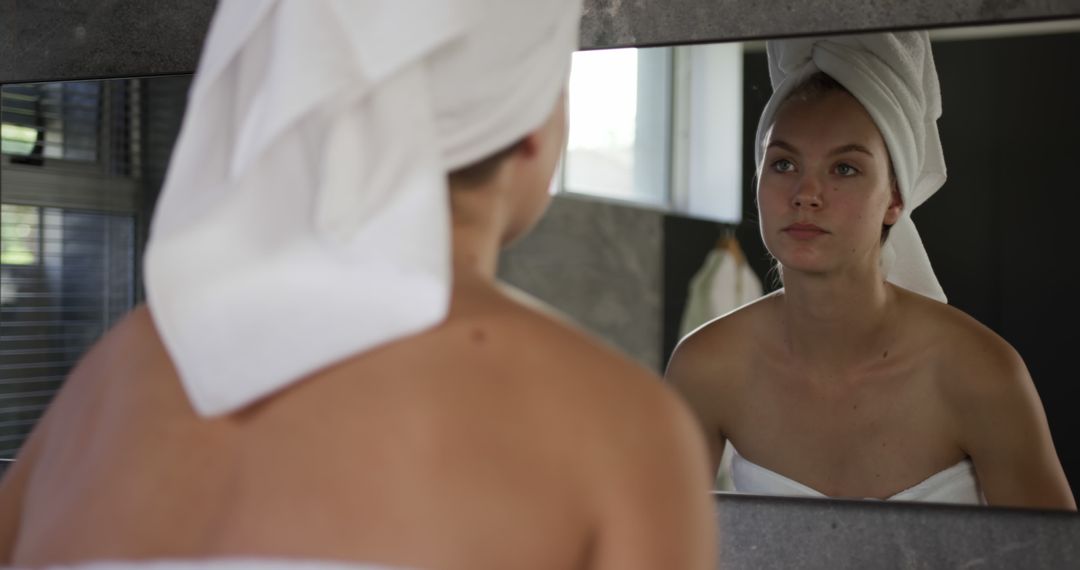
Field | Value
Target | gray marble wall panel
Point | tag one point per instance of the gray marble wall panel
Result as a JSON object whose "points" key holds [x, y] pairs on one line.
{"points": [[45, 40], [76, 39], [612, 23], [814, 534], [601, 264], [8, 67]]}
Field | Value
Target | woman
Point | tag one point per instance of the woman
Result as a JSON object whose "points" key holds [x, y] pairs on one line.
{"points": [[856, 379], [327, 369]]}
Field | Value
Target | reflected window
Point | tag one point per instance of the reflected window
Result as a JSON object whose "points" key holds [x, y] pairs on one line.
{"points": [[658, 127], [619, 109], [66, 277], [17, 140], [71, 222], [52, 120], [19, 234]]}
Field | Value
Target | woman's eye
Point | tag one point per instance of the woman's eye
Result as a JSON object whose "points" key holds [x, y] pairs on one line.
{"points": [[783, 165], [846, 170]]}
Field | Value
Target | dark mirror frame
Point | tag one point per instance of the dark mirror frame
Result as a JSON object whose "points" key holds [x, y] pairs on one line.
{"points": [[55, 40]]}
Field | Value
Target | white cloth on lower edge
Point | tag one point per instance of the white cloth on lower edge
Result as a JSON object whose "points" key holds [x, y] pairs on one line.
{"points": [[956, 484]]}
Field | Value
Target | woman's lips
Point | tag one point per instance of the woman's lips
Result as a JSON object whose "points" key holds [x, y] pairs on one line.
{"points": [[803, 232]]}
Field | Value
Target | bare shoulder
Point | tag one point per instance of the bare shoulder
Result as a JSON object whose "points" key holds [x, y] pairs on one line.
{"points": [[976, 364], [993, 408], [641, 454], [16, 482], [981, 378], [603, 395], [712, 361], [128, 344]]}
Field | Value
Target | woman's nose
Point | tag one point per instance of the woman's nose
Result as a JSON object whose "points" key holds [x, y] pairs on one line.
{"points": [[807, 193]]}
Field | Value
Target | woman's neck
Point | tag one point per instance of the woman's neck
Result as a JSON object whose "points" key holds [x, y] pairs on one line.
{"points": [[833, 325], [479, 219], [475, 253]]}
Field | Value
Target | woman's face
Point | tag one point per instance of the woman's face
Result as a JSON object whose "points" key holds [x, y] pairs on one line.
{"points": [[825, 189]]}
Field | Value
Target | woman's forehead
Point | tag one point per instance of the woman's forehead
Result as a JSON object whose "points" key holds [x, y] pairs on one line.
{"points": [[827, 121]]}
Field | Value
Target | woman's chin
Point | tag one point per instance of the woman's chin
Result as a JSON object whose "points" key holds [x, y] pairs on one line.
{"points": [[810, 266]]}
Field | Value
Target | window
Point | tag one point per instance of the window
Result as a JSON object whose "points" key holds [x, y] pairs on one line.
{"points": [[68, 234], [17, 140], [658, 127], [619, 123], [52, 310], [708, 132], [52, 120], [84, 126], [19, 235]]}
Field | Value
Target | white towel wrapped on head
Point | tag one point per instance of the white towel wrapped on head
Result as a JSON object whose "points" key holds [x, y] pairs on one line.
{"points": [[893, 76], [305, 214]]}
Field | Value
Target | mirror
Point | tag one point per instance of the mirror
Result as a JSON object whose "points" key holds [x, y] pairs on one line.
{"points": [[1009, 111], [82, 163]]}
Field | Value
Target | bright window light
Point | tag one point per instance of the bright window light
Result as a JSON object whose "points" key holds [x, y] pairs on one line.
{"points": [[618, 110], [17, 140]]}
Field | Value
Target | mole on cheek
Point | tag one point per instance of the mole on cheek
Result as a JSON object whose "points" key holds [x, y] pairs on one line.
{"points": [[479, 336]]}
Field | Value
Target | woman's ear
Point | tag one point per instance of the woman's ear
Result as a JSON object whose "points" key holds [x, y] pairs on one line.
{"points": [[896, 205], [531, 143], [550, 136]]}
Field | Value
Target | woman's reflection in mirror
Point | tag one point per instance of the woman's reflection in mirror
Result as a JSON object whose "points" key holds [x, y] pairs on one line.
{"points": [[856, 379]]}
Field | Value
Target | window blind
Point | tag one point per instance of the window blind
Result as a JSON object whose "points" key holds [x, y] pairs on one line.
{"points": [[68, 234]]}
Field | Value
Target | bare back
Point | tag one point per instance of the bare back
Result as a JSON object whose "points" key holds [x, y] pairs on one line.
{"points": [[498, 439]]}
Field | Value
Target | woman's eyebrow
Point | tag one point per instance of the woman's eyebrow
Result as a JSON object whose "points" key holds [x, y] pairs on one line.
{"points": [[851, 148], [782, 144]]}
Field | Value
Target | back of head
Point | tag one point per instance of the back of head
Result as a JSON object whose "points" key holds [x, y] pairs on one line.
{"points": [[311, 172]]}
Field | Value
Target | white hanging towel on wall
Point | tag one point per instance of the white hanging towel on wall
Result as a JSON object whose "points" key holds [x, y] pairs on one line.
{"points": [[724, 283]]}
